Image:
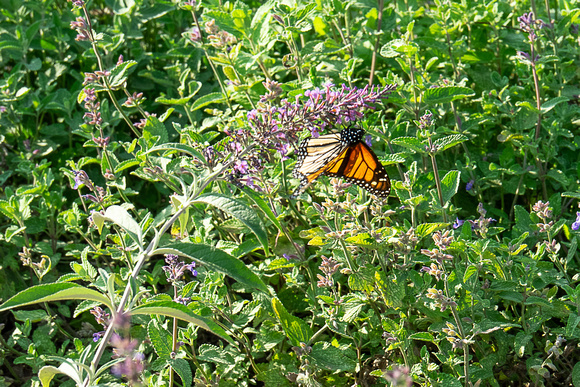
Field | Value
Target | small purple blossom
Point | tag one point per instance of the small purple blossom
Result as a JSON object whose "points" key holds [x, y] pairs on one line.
{"points": [[328, 266], [576, 224], [458, 223], [369, 140], [195, 35], [241, 166], [81, 177], [469, 185]]}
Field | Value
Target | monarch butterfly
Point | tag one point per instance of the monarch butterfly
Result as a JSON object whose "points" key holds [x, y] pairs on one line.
{"points": [[341, 154]]}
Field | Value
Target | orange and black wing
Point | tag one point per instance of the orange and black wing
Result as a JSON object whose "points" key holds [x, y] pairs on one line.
{"points": [[314, 156], [358, 164]]}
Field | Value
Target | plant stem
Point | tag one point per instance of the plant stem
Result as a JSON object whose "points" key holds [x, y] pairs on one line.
{"points": [[380, 7], [437, 180]]}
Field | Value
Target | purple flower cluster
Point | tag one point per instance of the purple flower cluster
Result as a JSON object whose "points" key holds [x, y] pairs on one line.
{"points": [[480, 225], [81, 26], [276, 128], [544, 212], [329, 266], [529, 25], [102, 318], [98, 193], [175, 268]]}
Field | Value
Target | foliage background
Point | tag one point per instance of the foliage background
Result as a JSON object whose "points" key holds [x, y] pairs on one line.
{"points": [[497, 302]]}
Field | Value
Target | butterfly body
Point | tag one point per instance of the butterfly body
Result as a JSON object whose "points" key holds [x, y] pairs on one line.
{"points": [[343, 155]]}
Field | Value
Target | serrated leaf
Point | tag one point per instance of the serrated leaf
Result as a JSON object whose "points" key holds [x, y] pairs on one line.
{"points": [[206, 100], [575, 195], [296, 329], [240, 211], [549, 105], [181, 312], [183, 148], [160, 339], [362, 239], [217, 260], [155, 128], [426, 229], [446, 94], [53, 292], [397, 47], [576, 374], [182, 368], [449, 185], [126, 164], [523, 220], [469, 272], [449, 141], [392, 290], [528, 105], [511, 295], [174, 101], [327, 357], [535, 300], [424, 336], [573, 321], [119, 74], [412, 143]]}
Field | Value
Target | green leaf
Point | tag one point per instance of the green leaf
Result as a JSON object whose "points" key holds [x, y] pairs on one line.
{"points": [[449, 185], [528, 105], [397, 47], [240, 211], [119, 74], [511, 295], [182, 368], [575, 195], [181, 312], [121, 218], [446, 94], [178, 148], [573, 321], [549, 105], [535, 300], [217, 260], [576, 375], [328, 357], [523, 221], [426, 229], [470, 271], [53, 292], [206, 100], [521, 341], [174, 101], [263, 206], [296, 329], [412, 143], [160, 339], [424, 336], [126, 164], [449, 141], [392, 290], [47, 373], [154, 128]]}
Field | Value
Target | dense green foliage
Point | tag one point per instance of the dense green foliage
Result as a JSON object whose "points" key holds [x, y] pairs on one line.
{"points": [[176, 123]]}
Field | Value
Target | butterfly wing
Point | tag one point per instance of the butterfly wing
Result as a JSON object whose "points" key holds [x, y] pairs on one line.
{"points": [[314, 155], [358, 164]]}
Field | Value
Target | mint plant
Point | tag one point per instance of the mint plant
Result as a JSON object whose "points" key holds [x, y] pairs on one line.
{"points": [[149, 232]]}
